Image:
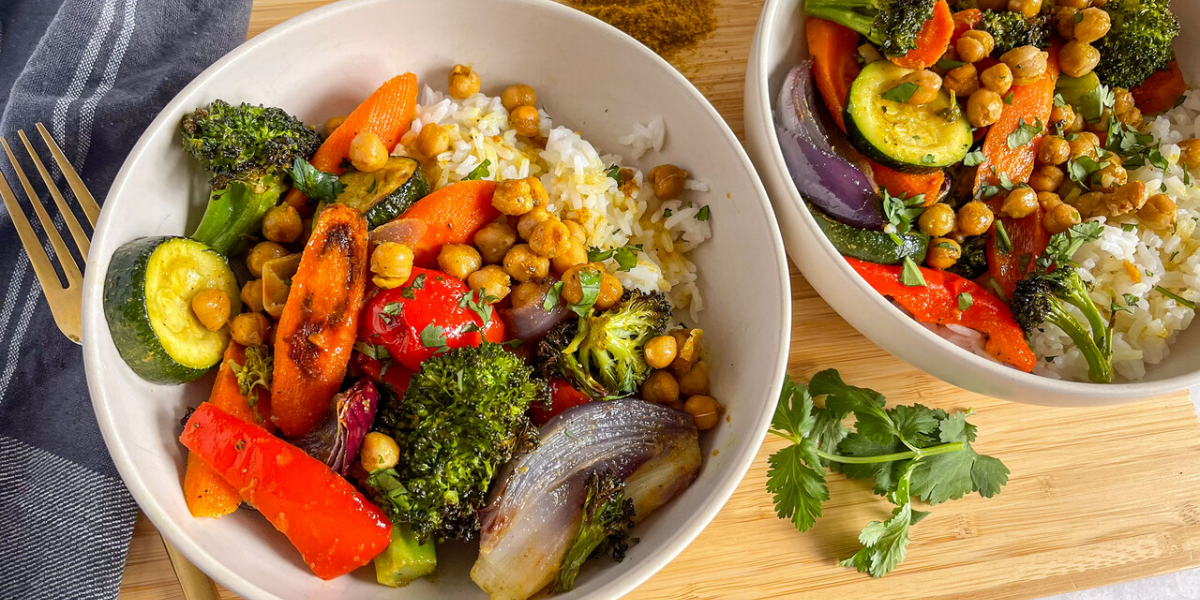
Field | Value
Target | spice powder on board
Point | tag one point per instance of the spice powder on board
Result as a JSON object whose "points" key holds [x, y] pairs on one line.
{"points": [[665, 26]]}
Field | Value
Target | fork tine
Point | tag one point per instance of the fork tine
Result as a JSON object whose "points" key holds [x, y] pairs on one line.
{"points": [[37, 256], [81, 238], [70, 269], [90, 209]]}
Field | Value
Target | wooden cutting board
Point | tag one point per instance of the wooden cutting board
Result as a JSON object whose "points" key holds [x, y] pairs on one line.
{"points": [[1097, 496]]}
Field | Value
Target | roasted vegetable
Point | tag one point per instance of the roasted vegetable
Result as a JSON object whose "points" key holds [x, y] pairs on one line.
{"points": [[974, 261], [337, 439], [405, 559], [1139, 42], [870, 245], [384, 194], [1011, 30], [893, 25], [607, 518]]}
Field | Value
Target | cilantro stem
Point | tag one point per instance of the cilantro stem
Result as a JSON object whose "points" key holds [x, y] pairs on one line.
{"points": [[879, 458]]}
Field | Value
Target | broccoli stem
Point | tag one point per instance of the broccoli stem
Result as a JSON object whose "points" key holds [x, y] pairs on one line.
{"points": [[1099, 363], [234, 213], [1075, 294], [842, 12]]}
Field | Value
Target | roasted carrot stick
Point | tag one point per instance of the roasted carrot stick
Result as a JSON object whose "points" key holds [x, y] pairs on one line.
{"points": [[1161, 90], [833, 49], [451, 215], [931, 41]]}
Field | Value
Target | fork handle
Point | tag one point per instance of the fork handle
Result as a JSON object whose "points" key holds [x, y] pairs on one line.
{"points": [[195, 584]]}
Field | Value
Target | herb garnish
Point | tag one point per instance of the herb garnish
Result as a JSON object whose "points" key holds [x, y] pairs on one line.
{"points": [[910, 274], [589, 280], [479, 172], [626, 256], [1176, 297], [1003, 242], [434, 336], [965, 301], [254, 374], [315, 183], [1024, 133], [901, 93]]}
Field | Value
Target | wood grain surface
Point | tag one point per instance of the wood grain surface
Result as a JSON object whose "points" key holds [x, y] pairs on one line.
{"points": [[1097, 496]]}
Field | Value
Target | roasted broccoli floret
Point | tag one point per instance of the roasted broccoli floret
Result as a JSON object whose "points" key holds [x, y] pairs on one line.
{"points": [[973, 261], [1043, 297], [463, 416], [602, 354], [1011, 30], [248, 149], [607, 518], [892, 25], [1139, 42]]}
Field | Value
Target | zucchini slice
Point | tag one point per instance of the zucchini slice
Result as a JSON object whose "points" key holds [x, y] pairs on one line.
{"points": [[385, 194], [871, 246], [906, 137], [148, 294]]}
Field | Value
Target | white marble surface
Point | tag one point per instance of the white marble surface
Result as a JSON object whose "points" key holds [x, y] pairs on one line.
{"points": [[1184, 585]]}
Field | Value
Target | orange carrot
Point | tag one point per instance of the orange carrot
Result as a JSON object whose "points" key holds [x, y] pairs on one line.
{"points": [[833, 49], [964, 21], [1161, 90], [932, 41], [206, 493], [909, 184], [452, 215], [316, 331], [388, 112], [1031, 104]]}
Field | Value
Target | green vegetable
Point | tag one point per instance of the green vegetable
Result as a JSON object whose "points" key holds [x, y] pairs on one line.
{"points": [[385, 194], [315, 183], [1003, 242], [973, 262], [626, 256], [901, 93], [607, 518], [965, 301], [1011, 30], [1080, 92], [405, 560], [463, 416], [148, 293], [871, 246], [1138, 43], [479, 172], [1024, 133], [249, 149], [909, 451], [892, 25], [589, 282], [910, 274]]}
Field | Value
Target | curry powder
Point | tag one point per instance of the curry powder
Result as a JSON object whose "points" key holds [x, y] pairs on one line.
{"points": [[665, 26]]}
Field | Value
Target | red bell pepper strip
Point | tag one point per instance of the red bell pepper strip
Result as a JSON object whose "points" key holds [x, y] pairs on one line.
{"points": [[333, 526], [396, 377], [1029, 239], [938, 302], [562, 397]]}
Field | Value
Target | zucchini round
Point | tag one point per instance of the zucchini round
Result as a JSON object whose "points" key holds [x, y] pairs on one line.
{"points": [[385, 194], [148, 294], [906, 137]]}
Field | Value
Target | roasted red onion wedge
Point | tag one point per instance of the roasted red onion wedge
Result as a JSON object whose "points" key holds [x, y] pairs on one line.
{"points": [[402, 231], [531, 321], [336, 441]]}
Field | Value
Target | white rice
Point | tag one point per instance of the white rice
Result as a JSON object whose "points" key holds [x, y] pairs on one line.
{"points": [[575, 176]]}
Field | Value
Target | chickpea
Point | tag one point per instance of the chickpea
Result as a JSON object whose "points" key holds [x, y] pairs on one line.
{"points": [[249, 329], [332, 123], [1131, 117], [974, 218], [1061, 218], [433, 140], [1109, 178], [392, 261], [551, 238], [490, 281], [282, 224], [688, 341], [572, 289], [1027, 62], [1048, 200], [1093, 24], [1046, 178], [513, 197], [1122, 101], [1020, 203], [661, 388], [704, 410], [1189, 153], [984, 108], [212, 307], [459, 260], [937, 220], [526, 121], [1064, 21], [261, 253], [610, 292], [660, 351], [494, 241], [523, 264], [1078, 58], [526, 293], [1028, 8], [577, 231], [538, 191], [667, 181], [530, 220], [997, 78], [367, 152], [576, 255], [1076, 125], [516, 95], [1128, 198], [379, 451], [1053, 150], [963, 81], [1091, 204], [943, 253], [464, 82], [252, 295], [928, 85], [869, 53], [1085, 143], [695, 381], [1158, 212], [1062, 116], [974, 45]]}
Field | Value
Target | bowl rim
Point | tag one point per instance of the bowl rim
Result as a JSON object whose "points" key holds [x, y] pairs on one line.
{"points": [[720, 488], [759, 116]]}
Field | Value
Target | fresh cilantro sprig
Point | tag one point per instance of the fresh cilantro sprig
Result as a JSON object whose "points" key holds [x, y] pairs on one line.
{"points": [[1063, 246], [911, 452], [479, 172], [315, 183], [626, 256]]}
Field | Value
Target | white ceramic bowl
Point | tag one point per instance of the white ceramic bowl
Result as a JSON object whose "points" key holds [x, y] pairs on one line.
{"points": [[779, 45], [588, 76]]}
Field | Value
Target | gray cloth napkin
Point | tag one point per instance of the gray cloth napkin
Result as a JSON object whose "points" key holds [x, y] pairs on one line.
{"points": [[95, 72]]}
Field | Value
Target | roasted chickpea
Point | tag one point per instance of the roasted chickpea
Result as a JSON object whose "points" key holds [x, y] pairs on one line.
{"points": [[252, 295], [1084, 143], [577, 231], [464, 82], [610, 292], [695, 381], [513, 197], [459, 260], [572, 289], [1128, 198], [1054, 150], [1027, 62], [1062, 117], [490, 281], [249, 329], [393, 261], [1189, 153], [433, 140], [974, 45], [661, 388], [1028, 8], [704, 410], [1020, 203], [660, 351], [526, 293], [1061, 218], [516, 95], [576, 255], [997, 78], [1131, 117], [688, 342], [332, 123], [1078, 58], [1064, 21], [667, 181], [869, 53], [530, 220], [984, 108], [943, 253], [928, 85], [494, 241], [1109, 178], [282, 224], [526, 121], [523, 264], [963, 81], [1090, 204], [367, 152], [974, 218], [379, 451], [1093, 24], [937, 220], [1076, 125], [212, 308], [261, 253], [1122, 101], [550, 238], [1158, 212], [1048, 200], [538, 191], [1046, 178]]}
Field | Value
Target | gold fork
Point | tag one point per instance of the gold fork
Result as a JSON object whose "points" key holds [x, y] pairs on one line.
{"points": [[65, 302]]}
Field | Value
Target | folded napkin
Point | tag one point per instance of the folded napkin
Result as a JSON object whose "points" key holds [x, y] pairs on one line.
{"points": [[95, 72]]}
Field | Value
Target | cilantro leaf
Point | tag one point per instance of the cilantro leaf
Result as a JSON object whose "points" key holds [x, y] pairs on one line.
{"points": [[947, 65], [867, 405], [704, 213], [798, 488], [910, 274], [973, 158], [315, 183], [1024, 133], [988, 475], [901, 93], [902, 212], [479, 172], [553, 296], [614, 172], [965, 301], [589, 280], [1063, 246], [434, 336]]}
